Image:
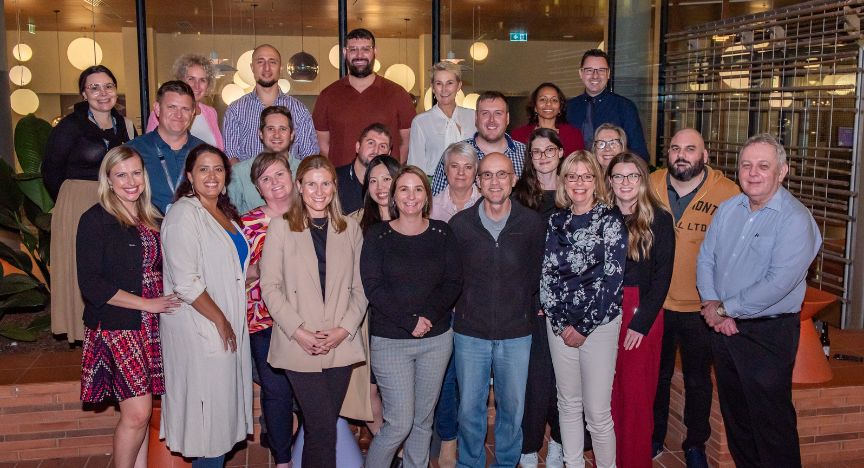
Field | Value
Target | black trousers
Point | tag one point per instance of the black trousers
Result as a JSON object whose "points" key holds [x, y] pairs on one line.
{"points": [[754, 381], [689, 331], [541, 397], [320, 395]]}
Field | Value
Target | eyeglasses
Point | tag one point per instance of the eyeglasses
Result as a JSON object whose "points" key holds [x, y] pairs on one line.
{"points": [[602, 144], [549, 152], [354, 50], [595, 71], [500, 175], [573, 177], [632, 178], [97, 88]]}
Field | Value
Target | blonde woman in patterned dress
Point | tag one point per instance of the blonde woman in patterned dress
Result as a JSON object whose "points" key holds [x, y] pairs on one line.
{"points": [[119, 267], [271, 175]]}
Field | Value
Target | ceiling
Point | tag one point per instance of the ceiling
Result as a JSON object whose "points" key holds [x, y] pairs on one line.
{"points": [[542, 19]]}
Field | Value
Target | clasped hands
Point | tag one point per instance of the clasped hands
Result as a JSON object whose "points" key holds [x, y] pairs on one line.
{"points": [[320, 342], [720, 324]]}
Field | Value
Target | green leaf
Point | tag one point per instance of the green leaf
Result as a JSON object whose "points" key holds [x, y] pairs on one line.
{"points": [[10, 196], [19, 260], [40, 323], [18, 333], [31, 136], [16, 283], [29, 298], [9, 219], [33, 188]]}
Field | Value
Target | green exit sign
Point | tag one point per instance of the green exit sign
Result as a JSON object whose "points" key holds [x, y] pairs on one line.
{"points": [[518, 36]]}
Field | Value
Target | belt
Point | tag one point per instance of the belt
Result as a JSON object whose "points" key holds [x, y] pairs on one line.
{"points": [[769, 317]]}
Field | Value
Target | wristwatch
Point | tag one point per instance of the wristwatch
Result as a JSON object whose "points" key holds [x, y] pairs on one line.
{"points": [[721, 310]]}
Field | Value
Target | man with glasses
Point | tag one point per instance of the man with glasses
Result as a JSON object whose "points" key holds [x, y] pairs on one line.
{"points": [[164, 149], [598, 105], [691, 191], [358, 100], [501, 247], [491, 119]]}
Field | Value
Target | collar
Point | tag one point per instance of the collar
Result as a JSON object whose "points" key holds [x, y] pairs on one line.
{"points": [[775, 203], [344, 81], [279, 95], [158, 141], [669, 185], [600, 97], [511, 147]]}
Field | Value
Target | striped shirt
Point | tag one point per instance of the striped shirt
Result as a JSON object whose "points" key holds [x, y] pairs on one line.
{"points": [[240, 127], [515, 152]]}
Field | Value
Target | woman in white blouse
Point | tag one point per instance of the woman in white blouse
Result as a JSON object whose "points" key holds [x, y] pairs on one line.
{"points": [[446, 123]]}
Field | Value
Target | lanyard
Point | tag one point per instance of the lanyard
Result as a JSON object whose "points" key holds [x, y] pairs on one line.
{"points": [[113, 127], [171, 185]]}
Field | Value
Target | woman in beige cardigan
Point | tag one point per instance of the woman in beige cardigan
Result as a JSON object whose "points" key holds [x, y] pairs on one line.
{"points": [[207, 407], [310, 281]]}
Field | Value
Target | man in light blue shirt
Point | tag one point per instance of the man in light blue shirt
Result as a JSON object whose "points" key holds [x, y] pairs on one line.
{"points": [[751, 278]]}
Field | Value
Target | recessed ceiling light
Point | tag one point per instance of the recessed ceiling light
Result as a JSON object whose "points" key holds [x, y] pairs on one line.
{"points": [[567, 36]]}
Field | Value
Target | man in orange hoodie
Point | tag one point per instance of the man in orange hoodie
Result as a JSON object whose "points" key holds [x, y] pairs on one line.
{"points": [[691, 191]]}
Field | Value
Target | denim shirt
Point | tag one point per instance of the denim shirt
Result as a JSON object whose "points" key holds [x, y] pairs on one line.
{"points": [[583, 268]]}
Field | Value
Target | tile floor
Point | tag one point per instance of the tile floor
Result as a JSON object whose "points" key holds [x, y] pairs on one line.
{"points": [[65, 366]]}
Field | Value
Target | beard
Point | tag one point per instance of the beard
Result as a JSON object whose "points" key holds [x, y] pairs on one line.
{"points": [[687, 173], [266, 84], [359, 72]]}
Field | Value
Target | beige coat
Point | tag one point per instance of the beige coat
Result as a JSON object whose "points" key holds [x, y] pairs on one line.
{"points": [[207, 407], [290, 286]]}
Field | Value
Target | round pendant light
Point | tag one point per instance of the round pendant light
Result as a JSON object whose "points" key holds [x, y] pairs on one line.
{"points": [[20, 75], [22, 52], [24, 101], [231, 92], [302, 67], [84, 52], [402, 75]]}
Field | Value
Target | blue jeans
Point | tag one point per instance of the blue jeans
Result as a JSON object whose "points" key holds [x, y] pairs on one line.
{"points": [[277, 399], [448, 404], [209, 462], [508, 362]]}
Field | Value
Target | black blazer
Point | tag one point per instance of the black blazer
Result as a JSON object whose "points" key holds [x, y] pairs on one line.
{"points": [[110, 258]]}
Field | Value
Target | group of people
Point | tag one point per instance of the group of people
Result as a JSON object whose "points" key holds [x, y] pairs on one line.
{"points": [[368, 264]]}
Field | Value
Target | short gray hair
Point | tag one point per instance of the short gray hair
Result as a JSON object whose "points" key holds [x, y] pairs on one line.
{"points": [[462, 148], [183, 62], [767, 139], [622, 135]]}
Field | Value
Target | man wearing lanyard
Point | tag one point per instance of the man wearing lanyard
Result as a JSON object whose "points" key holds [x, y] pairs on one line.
{"points": [[164, 150]]}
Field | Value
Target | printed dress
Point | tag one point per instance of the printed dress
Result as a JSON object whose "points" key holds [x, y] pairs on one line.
{"points": [[255, 225], [121, 364]]}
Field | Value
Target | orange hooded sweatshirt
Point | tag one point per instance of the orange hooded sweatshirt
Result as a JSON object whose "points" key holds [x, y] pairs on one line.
{"points": [[690, 232]]}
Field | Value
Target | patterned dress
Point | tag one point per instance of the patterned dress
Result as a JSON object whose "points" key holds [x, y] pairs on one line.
{"points": [[121, 364], [255, 225]]}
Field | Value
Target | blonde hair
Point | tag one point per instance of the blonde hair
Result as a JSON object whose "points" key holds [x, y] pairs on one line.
{"points": [[588, 159], [640, 236], [447, 66], [297, 216], [622, 135], [147, 213]]}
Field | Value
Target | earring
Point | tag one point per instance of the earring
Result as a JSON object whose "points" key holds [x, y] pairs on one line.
{"points": [[193, 188], [224, 190]]}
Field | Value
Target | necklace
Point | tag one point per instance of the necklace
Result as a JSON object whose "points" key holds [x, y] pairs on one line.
{"points": [[317, 226]]}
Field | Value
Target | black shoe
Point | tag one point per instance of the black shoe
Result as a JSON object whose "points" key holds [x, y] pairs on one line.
{"points": [[396, 463], [656, 450], [695, 458]]}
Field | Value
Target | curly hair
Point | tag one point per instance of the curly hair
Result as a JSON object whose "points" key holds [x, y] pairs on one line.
{"points": [[183, 62]]}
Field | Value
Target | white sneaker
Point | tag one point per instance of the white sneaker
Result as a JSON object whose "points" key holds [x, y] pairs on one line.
{"points": [[554, 455], [528, 460]]}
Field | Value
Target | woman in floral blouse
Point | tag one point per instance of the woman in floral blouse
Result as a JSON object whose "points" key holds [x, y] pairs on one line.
{"points": [[272, 178], [580, 291]]}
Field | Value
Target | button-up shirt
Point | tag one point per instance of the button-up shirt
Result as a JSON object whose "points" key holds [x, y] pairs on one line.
{"points": [[164, 178], [243, 116], [756, 262], [515, 151]]}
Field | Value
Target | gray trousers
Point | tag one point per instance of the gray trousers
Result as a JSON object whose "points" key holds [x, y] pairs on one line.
{"points": [[409, 373]]}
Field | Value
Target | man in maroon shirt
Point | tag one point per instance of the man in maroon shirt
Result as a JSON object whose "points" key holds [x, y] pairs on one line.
{"points": [[359, 99]]}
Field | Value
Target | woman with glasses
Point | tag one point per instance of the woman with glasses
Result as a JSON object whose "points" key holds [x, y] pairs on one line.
{"points": [[609, 141], [546, 109], [536, 190], [580, 291], [647, 274], [197, 71], [70, 170]]}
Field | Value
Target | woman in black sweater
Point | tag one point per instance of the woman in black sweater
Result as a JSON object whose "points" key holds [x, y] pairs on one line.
{"points": [[120, 275], [647, 274], [73, 153], [412, 276]]}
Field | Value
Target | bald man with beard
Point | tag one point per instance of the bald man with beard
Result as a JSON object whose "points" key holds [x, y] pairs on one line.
{"points": [[691, 191]]}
